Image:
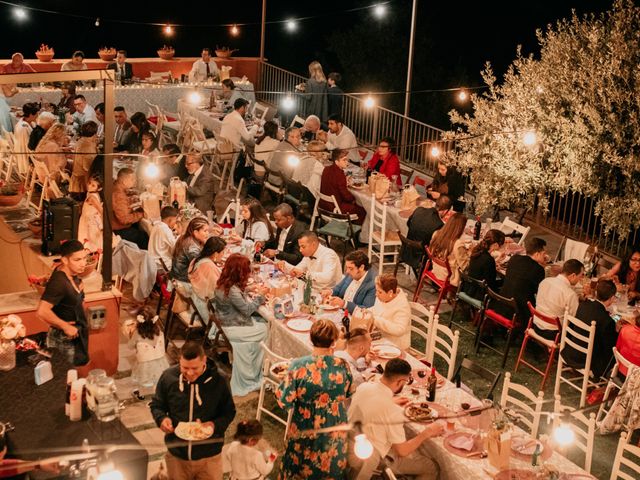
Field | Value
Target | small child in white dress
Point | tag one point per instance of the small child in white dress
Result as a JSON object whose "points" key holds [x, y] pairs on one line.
{"points": [[90, 224], [241, 459], [148, 341]]}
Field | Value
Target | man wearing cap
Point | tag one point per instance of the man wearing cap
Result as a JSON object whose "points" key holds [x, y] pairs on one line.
{"points": [[17, 65], [234, 128]]}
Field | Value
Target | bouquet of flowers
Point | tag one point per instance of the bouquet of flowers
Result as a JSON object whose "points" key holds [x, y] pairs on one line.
{"points": [[38, 282], [107, 53], [11, 328]]}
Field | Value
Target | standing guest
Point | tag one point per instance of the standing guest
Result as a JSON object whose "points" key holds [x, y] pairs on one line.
{"points": [[626, 272], [334, 182], [596, 310], [255, 224], [200, 183], [86, 151], [76, 63], [125, 221], [241, 323], [123, 133], [124, 70], [447, 245], [204, 68], [315, 92], [320, 263], [22, 132], [358, 287], [17, 65], [341, 137], [392, 312], [139, 125], [241, 458], [386, 161], [283, 158], [284, 245], [266, 145], [90, 225], [162, 241], [355, 353], [188, 247], [84, 113], [68, 90], [204, 272], [423, 223], [311, 127], [382, 416], [147, 339], [234, 128], [61, 305], [189, 392], [556, 295], [447, 181], [482, 265], [43, 124], [50, 150], [309, 171], [335, 95], [99, 108], [315, 389]]}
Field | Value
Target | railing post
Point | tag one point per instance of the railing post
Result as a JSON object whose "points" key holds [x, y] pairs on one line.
{"points": [[374, 127]]}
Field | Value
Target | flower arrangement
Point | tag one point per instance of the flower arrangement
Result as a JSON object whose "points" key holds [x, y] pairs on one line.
{"points": [[166, 52], [38, 282], [107, 54], [45, 53], [11, 328], [188, 212], [224, 52]]}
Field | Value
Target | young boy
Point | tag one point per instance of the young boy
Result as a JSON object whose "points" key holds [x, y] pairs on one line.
{"points": [[162, 239]]}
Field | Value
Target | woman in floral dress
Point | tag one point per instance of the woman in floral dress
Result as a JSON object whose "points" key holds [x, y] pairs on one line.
{"points": [[315, 388]]}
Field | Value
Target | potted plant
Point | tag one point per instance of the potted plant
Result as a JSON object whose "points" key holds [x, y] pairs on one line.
{"points": [[10, 194], [45, 53], [224, 52], [38, 282], [166, 52], [107, 54]]}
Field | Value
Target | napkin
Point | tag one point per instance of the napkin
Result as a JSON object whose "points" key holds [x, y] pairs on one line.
{"points": [[463, 442], [524, 445]]}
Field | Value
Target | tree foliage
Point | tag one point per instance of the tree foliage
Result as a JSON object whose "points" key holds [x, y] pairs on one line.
{"points": [[582, 98]]}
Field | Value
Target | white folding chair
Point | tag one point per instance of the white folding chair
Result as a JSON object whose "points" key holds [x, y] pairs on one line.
{"points": [[405, 174], [525, 403], [572, 335], [297, 122], [260, 110], [443, 342], [271, 381], [233, 207], [627, 460], [43, 178], [613, 383], [584, 428], [328, 199], [421, 319], [6, 160], [509, 226], [386, 241]]}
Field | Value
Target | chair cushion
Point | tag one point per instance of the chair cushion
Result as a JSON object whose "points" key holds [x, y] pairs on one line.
{"points": [[546, 342], [469, 300], [432, 276], [202, 145], [499, 319], [338, 229], [390, 237]]}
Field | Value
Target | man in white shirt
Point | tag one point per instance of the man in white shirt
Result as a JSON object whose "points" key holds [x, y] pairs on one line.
{"points": [[234, 128], [340, 136], [84, 113], [319, 262], [555, 295], [162, 240], [355, 353], [204, 68], [382, 418], [22, 132]]}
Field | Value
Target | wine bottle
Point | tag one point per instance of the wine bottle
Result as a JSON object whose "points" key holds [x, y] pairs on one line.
{"points": [[477, 229], [432, 383], [535, 456], [175, 203], [307, 289], [345, 321]]}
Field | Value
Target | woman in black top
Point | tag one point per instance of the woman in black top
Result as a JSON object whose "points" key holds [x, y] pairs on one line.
{"points": [[482, 265], [448, 181], [61, 305]]}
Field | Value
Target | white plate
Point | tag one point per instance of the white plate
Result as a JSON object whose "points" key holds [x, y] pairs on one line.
{"points": [[386, 351], [329, 308], [193, 431], [301, 325], [275, 369]]}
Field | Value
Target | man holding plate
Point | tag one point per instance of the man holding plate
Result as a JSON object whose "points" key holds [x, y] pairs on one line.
{"points": [[357, 288]]}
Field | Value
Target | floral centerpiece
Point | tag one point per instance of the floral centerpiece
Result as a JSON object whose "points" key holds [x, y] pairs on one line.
{"points": [[45, 53], [166, 52], [10, 193], [38, 282], [224, 52], [107, 54], [11, 329]]}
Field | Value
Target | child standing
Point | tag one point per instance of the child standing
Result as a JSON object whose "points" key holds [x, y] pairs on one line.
{"points": [[90, 224], [241, 459], [148, 341]]}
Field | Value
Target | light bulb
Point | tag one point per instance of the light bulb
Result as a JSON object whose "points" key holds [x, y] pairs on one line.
{"points": [[362, 447], [293, 160], [98, 22], [20, 13], [235, 30], [435, 151], [530, 138], [151, 171], [463, 95], [195, 98], [379, 11], [369, 102], [111, 475], [288, 103], [168, 30], [292, 25], [563, 435]]}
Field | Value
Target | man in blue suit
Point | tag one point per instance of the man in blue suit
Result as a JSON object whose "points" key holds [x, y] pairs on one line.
{"points": [[358, 287]]}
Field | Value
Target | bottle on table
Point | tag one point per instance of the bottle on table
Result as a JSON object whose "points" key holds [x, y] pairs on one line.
{"points": [[536, 455], [432, 383], [308, 285], [346, 322], [175, 203], [477, 229]]}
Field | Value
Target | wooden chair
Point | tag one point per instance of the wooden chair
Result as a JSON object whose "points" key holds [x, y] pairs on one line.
{"points": [[443, 342], [614, 383], [408, 246], [627, 458], [421, 319], [551, 346], [509, 227], [442, 285], [331, 199], [491, 315], [339, 226], [584, 429], [476, 305], [386, 241], [220, 342], [271, 381], [260, 110], [477, 370], [527, 405]]}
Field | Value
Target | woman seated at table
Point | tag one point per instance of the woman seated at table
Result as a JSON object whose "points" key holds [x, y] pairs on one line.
{"points": [[446, 244], [482, 264], [230, 93], [266, 144], [139, 125], [392, 312], [86, 151], [385, 160], [188, 246], [255, 224], [149, 145], [68, 90], [626, 272], [244, 328], [334, 182], [447, 181], [204, 272], [51, 148]]}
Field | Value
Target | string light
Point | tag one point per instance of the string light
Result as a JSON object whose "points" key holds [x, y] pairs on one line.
{"points": [[109, 473], [291, 25], [363, 448], [287, 103], [98, 22], [369, 102], [20, 13], [152, 170], [168, 30], [380, 10], [235, 30], [195, 98], [564, 435], [530, 138], [435, 152], [463, 95], [293, 160]]}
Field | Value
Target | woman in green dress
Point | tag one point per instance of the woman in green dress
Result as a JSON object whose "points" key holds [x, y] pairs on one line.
{"points": [[316, 387]]}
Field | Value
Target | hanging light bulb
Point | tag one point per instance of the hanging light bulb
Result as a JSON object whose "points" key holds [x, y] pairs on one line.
{"points": [[152, 170], [292, 25], [108, 472], [168, 30], [463, 95], [363, 448], [380, 10], [435, 151], [293, 160], [287, 103], [20, 13], [235, 30], [564, 435], [530, 138], [98, 22], [195, 98], [369, 102]]}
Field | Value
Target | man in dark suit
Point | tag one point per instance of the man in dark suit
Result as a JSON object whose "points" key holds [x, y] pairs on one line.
{"points": [[606, 334], [284, 246], [123, 135], [358, 287], [200, 184], [423, 223], [124, 70]]}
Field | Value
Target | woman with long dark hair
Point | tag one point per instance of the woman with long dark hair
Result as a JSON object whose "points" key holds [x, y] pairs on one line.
{"points": [[139, 125], [188, 247], [255, 224], [204, 272], [446, 244], [482, 265], [266, 144], [626, 272], [245, 329]]}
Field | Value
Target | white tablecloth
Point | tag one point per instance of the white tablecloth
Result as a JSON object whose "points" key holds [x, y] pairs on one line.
{"points": [[394, 220], [209, 120]]}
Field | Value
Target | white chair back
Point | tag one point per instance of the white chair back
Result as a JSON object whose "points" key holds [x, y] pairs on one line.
{"points": [[328, 199], [260, 110], [623, 460], [297, 121], [268, 380], [613, 383], [527, 405], [233, 207], [574, 250], [584, 428], [509, 226], [443, 342], [421, 319], [379, 237]]}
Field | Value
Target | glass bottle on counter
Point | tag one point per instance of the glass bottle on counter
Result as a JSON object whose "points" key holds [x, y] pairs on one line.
{"points": [[308, 286], [432, 384]]}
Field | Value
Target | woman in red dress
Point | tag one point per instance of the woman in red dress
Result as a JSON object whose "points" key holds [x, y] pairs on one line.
{"points": [[334, 182], [386, 161]]}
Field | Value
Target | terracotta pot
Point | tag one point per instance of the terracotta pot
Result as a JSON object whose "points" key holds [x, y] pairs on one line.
{"points": [[10, 200], [106, 57], [45, 57], [224, 53], [166, 54]]}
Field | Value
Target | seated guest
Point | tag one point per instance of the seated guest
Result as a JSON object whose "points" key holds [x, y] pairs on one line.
{"points": [[233, 127], [99, 108], [382, 416], [386, 161], [355, 353], [188, 246], [334, 94], [230, 93], [287, 155], [68, 90], [284, 245], [17, 65], [557, 295], [309, 171], [423, 223], [86, 151], [123, 133], [606, 335], [447, 244], [482, 265], [76, 63], [173, 156], [255, 224], [358, 287], [204, 272], [43, 124], [50, 150], [204, 68], [447, 181], [139, 125], [149, 145], [22, 131], [124, 220], [522, 278], [162, 241], [311, 127], [626, 272], [628, 345], [200, 183], [342, 138], [334, 182], [124, 70], [392, 312], [322, 264], [241, 323], [266, 145], [84, 113]]}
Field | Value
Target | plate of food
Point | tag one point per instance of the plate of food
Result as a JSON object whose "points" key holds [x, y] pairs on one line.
{"points": [[515, 474], [386, 351], [279, 369], [358, 185], [193, 431], [526, 446], [300, 325], [420, 412]]}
